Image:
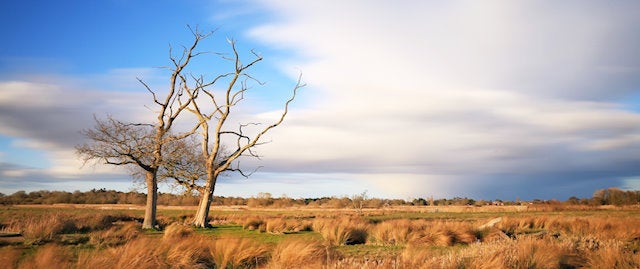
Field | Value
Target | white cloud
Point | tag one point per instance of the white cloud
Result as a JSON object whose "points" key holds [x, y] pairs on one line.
{"points": [[459, 89], [406, 99], [45, 115]]}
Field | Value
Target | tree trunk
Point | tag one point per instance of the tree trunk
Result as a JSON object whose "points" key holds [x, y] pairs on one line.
{"points": [[202, 215], [152, 200]]}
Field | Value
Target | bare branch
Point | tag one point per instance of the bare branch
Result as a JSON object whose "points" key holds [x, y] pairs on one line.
{"points": [[146, 86]]}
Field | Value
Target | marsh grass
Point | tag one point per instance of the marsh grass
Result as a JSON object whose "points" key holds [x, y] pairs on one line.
{"points": [[297, 253], [177, 230], [39, 229], [118, 234], [609, 239]]}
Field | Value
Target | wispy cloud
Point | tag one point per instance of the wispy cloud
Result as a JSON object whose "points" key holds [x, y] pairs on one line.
{"points": [[484, 94], [491, 99], [44, 116]]}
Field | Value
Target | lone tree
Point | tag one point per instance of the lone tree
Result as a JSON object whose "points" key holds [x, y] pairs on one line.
{"points": [[145, 145], [221, 144]]}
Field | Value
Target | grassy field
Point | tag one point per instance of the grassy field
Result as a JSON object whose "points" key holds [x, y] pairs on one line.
{"points": [[108, 236]]}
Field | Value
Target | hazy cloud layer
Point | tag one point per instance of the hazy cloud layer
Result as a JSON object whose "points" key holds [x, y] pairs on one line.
{"points": [[463, 97], [44, 115], [486, 99]]}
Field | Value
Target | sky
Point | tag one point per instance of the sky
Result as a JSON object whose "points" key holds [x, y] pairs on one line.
{"points": [[404, 99]]}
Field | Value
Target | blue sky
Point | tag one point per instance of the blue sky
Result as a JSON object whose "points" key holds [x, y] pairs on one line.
{"points": [[490, 100]]}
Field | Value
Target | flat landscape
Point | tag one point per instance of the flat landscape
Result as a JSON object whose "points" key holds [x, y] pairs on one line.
{"points": [[522, 236]]}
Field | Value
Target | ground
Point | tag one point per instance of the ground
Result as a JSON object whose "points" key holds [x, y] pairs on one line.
{"points": [[533, 236]]}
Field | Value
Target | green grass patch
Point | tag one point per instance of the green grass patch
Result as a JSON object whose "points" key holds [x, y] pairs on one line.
{"points": [[369, 250], [236, 231]]}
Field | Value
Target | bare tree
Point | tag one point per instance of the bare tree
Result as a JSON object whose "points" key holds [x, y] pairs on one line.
{"points": [[214, 130], [184, 166], [358, 200], [142, 145]]}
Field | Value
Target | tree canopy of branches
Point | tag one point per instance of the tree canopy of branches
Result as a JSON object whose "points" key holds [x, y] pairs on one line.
{"points": [[143, 144], [214, 125], [157, 151]]}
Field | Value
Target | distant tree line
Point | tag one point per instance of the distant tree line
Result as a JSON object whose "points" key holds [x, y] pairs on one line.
{"points": [[615, 196], [610, 196]]}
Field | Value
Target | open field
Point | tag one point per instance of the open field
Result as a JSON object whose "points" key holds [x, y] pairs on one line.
{"points": [[108, 236]]}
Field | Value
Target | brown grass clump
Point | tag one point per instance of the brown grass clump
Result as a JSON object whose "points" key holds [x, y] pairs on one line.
{"points": [[343, 231], [42, 228], [413, 257], [119, 234], [539, 253], [462, 233], [189, 253], [434, 236], [139, 253], [48, 256], [394, 232], [278, 226], [176, 230], [150, 253], [9, 257], [253, 224], [297, 254], [334, 232], [613, 255], [96, 222], [236, 252]]}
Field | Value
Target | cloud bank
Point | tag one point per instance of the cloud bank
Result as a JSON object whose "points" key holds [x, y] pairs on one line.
{"points": [[491, 99]]}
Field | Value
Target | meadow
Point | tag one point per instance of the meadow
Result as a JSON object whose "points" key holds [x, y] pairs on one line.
{"points": [[109, 236]]}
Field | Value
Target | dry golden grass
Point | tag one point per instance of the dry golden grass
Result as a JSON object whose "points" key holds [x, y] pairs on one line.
{"points": [[119, 234], [38, 229], [253, 223], [49, 256], [9, 257], [342, 231], [334, 232], [394, 232], [421, 232], [593, 240], [277, 226], [188, 252], [177, 230], [536, 253], [297, 254], [237, 252], [613, 255]]}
